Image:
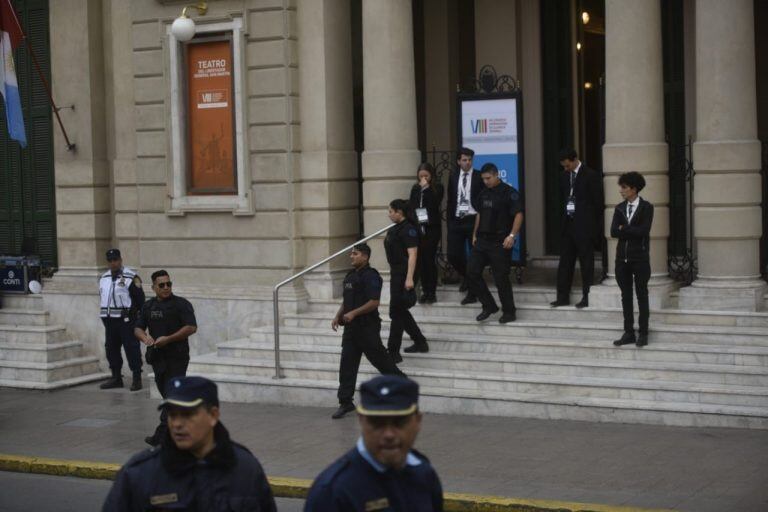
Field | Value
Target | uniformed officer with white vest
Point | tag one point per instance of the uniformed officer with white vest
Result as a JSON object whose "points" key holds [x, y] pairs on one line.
{"points": [[121, 297]]}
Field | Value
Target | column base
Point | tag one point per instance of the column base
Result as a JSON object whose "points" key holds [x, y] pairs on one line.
{"points": [[608, 294], [724, 295]]}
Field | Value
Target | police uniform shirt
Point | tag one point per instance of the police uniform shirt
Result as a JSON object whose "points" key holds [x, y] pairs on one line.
{"points": [[165, 317], [399, 239], [498, 207], [120, 293], [357, 482], [360, 286]]}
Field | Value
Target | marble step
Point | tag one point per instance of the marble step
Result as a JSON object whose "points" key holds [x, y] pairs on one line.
{"points": [[550, 385], [21, 301], [23, 317], [706, 353], [47, 386], [40, 353], [436, 400], [48, 372], [539, 311], [435, 326], [33, 334], [519, 364]]}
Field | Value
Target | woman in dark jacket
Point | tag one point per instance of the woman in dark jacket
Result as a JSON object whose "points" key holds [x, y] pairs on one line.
{"points": [[401, 246], [632, 220], [426, 196]]}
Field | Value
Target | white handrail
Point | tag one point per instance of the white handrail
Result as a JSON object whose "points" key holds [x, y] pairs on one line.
{"points": [[275, 303]]}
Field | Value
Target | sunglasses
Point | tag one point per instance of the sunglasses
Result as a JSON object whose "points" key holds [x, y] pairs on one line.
{"points": [[167, 284]]}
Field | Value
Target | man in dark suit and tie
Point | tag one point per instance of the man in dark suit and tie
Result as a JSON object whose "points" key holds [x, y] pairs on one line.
{"points": [[582, 189], [464, 186]]}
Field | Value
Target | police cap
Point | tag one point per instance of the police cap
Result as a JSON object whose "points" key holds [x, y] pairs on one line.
{"points": [[190, 392], [388, 395], [113, 254]]}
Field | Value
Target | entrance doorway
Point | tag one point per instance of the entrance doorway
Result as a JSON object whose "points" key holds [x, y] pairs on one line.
{"points": [[27, 194]]}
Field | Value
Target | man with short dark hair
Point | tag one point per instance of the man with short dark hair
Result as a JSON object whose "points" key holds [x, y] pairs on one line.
{"points": [[464, 186], [582, 191], [197, 466], [121, 297], [359, 314], [170, 320], [497, 225], [632, 220], [383, 471]]}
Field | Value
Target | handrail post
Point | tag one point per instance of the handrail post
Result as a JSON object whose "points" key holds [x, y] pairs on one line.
{"points": [[276, 290]]}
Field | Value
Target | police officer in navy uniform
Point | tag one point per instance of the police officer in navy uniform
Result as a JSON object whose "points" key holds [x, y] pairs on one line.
{"points": [[359, 314], [121, 297], [497, 225], [197, 466], [383, 471], [170, 320], [401, 245]]}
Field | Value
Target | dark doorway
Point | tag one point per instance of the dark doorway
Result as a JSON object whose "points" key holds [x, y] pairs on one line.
{"points": [[761, 60], [27, 206]]}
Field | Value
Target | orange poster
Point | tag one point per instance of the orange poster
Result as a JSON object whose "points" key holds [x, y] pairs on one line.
{"points": [[209, 97]]}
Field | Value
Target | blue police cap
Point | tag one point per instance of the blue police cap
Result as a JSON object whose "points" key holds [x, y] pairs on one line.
{"points": [[388, 395], [113, 254], [190, 392]]}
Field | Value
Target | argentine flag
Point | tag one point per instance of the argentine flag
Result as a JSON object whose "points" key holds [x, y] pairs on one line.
{"points": [[10, 38]]}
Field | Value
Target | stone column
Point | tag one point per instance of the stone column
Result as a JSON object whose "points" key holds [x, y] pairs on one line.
{"points": [[726, 157], [83, 195], [634, 107], [391, 156], [327, 188]]}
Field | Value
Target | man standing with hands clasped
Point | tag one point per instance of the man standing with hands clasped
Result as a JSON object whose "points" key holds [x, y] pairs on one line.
{"points": [[170, 320], [632, 220]]}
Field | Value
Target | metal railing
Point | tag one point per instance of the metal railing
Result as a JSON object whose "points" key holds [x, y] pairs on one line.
{"points": [[276, 290]]}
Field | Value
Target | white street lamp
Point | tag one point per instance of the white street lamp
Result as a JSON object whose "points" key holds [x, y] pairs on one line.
{"points": [[183, 28]]}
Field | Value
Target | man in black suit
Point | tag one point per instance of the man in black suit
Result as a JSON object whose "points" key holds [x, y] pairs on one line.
{"points": [[464, 186], [582, 190]]}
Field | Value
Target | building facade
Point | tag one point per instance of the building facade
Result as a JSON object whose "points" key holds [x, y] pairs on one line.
{"points": [[336, 102]]}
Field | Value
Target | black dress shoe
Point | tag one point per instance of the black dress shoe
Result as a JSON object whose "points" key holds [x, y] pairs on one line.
{"points": [[423, 299], [417, 347], [113, 383], [485, 314], [507, 317], [642, 339], [627, 338], [136, 383], [558, 303], [469, 299], [396, 357], [584, 303], [431, 299], [343, 410]]}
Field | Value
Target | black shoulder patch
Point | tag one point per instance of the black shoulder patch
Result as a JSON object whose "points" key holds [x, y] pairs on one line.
{"points": [[412, 232]]}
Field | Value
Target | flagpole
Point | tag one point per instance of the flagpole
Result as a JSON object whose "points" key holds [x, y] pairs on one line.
{"points": [[70, 146]]}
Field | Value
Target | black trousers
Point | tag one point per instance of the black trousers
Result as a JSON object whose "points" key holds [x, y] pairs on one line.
{"points": [[491, 252], [459, 235], [119, 333], [573, 246], [426, 264], [640, 273], [167, 368], [402, 319], [362, 336]]}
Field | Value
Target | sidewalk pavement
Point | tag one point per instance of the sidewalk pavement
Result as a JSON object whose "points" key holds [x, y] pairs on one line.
{"points": [[693, 469]]}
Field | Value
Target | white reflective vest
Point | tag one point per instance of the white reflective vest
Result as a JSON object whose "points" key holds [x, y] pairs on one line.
{"points": [[115, 298]]}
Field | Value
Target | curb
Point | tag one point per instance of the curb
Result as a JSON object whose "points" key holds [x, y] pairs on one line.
{"points": [[283, 487]]}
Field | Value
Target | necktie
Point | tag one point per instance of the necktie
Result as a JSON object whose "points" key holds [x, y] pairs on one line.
{"points": [[464, 181], [629, 210]]}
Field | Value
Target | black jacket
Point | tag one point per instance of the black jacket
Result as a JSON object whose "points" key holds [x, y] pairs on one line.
{"points": [[228, 478], [634, 237], [453, 189], [432, 197], [588, 195]]}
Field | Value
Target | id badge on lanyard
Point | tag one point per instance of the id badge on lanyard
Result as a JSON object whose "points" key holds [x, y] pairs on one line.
{"points": [[570, 207], [422, 215], [463, 209]]}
